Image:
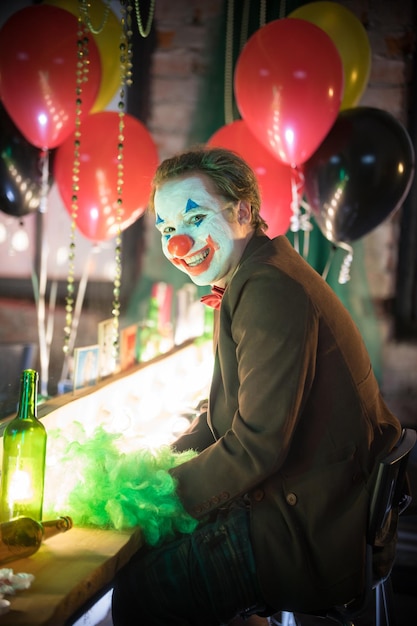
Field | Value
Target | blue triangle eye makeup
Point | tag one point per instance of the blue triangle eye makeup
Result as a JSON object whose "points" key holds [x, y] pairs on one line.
{"points": [[185, 219], [190, 205]]}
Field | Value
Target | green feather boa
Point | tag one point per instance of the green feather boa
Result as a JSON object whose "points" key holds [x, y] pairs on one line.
{"points": [[101, 487]]}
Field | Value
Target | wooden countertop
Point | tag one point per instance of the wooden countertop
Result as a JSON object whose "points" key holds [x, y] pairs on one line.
{"points": [[69, 569], [72, 568]]}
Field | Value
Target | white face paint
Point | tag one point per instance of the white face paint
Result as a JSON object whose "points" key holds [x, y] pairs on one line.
{"points": [[196, 234]]}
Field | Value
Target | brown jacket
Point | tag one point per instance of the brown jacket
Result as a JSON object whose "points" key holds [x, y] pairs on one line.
{"points": [[296, 421]]}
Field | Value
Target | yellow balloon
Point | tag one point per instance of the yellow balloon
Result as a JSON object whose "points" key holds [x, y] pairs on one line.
{"points": [[351, 41], [107, 40]]}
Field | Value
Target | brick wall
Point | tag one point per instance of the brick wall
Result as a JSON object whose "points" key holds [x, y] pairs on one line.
{"points": [[184, 33]]}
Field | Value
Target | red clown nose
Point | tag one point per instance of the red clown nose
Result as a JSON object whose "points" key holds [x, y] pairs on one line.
{"points": [[180, 245]]}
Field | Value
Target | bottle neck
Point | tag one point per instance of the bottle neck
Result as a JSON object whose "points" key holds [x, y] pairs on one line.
{"points": [[56, 526], [28, 395]]}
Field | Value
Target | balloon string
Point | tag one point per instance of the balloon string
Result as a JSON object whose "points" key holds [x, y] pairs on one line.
{"points": [[344, 274], [299, 221], [42, 280], [77, 311], [282, 8], [328, 263], [306, 245], [306, 226], [51, 313], [295, 217]]}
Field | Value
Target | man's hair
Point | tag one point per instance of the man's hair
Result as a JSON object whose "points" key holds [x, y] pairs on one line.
{"points": [[233, 178]]}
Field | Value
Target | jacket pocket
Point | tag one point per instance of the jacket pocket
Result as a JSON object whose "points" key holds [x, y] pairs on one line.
{"points": [[328, 508]]}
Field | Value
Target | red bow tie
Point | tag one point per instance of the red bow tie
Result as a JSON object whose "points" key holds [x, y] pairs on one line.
{"points": [[213, 299]]}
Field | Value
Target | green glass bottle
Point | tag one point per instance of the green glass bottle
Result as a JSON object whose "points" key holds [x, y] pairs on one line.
{"points": [[24, 451], [23, 536]]}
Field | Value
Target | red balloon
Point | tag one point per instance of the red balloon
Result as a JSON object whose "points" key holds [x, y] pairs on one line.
{"points": [[97, 196], [274, 177], [38, 65], [289, 87]]}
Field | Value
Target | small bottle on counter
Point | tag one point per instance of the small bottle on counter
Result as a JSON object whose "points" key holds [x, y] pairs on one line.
{"points": [[24, 450], [23, 536]]}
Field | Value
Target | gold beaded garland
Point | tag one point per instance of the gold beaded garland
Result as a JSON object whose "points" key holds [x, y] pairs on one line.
{"points": [[84, 10], [126, 55], [81, 76], [124, 69], [144, 32]]}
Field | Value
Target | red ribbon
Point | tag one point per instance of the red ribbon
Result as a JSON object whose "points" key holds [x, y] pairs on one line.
{"points": [[213, 299]]}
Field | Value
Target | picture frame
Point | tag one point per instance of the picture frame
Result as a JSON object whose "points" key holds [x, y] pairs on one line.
{"points": [[86, 366], [128, 346], [107, 360]]}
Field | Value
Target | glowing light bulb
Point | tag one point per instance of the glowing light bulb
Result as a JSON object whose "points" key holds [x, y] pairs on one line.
{"points": [[61, 255], [20, 241]]}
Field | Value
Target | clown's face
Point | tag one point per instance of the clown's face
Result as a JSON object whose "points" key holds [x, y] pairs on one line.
{"points": [[202, 233]]}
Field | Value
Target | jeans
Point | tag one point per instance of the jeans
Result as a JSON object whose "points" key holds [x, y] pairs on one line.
{"points": [[205, 578]]}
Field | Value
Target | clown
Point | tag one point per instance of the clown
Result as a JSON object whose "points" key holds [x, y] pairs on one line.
{"points": [[203, 233], [290, 435]]}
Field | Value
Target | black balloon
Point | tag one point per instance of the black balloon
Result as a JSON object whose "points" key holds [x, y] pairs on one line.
{"points": [[360, 174], [20, 170]]}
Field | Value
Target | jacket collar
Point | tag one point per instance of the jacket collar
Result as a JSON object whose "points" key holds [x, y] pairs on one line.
{"points": [[258, 240]]}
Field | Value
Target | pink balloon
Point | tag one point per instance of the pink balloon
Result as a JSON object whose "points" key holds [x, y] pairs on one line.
{"points": [[97, 214], [274, 177], [38, 65], [289, 87]]}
